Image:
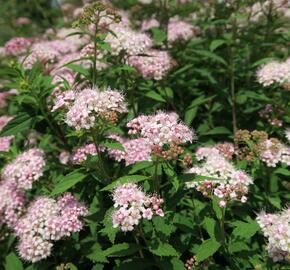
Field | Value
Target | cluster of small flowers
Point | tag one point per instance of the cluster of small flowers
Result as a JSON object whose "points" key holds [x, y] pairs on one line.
{"points": [[17, 46], [180, 31], [274, 152], [260, 9], [127, 40], [91, 104], [154, 64], [132, 204], [81, 154], [47, 220], [11, 203], [226, 150], [25, 169], [22, 21], [270, 113], [5, 143], [161, 128], [276, 228], [134, 150], [274, 73], [149, 23], [225, 182]]}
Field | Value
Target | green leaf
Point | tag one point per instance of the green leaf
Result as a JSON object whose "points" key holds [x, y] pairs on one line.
{"points": [[78, 68], [125, 179], [159, 36], [12, 262], [114, 145], [275, 201], [210, 226], [207, 249], [216, 43], [173, 264], [282, 171], [155, 96], [218, 131], [238, 247], [67, 182], [121, 250], [163, 249], [245, 229], [108, 229], [140, 166], [162, 227], [21, 122]]}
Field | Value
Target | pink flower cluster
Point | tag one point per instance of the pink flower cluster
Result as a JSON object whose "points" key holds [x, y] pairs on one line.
{"points": [[154, 64], [91, 104], [47, 220], [180, 31], [276, 228], [225, 182], [25, 169], [132, 204], [275, 153], [17, 46], [149, 23], [226, 150], [274, 73], [12, 202], [161, 128], [5, 143], [81, 154], [127, 40], [134, 150]]}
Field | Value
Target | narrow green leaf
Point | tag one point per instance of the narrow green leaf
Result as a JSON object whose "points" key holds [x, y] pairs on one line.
{"points": [[125, 179], [155, 96], [216, 43], [19, 123], [67, 182]]}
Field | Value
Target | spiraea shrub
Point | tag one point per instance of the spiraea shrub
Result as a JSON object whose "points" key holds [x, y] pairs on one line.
{"points": [[145, 134]]}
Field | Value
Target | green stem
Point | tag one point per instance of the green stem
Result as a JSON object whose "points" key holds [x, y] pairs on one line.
{"points": [[156, 183], [95, 57], [100, 159]]}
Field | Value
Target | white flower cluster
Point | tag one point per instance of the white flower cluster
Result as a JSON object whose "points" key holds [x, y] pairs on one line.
{"points": [[276, 228]]}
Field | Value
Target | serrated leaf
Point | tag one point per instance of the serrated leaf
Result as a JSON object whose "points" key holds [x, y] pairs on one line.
{"points": [[67, 182], [207, 249], [12, 262], [108, 229], [125, 179], [121, 250], [163, 249], [162, 227], [245, 229]]}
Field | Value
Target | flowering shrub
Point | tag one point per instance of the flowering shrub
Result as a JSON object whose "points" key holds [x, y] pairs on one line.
{"points": [[145, 135]]}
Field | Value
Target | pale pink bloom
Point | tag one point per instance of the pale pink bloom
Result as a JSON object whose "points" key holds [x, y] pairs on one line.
{"points": [[17, 46], [127, 40], [149, 23], [23, 21], [47, 220], [134, 150], [11, 203], [25, 169], [131, 205], [5, 143], [179, 30], [153, 65], [64, 157], [161, 128]]}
